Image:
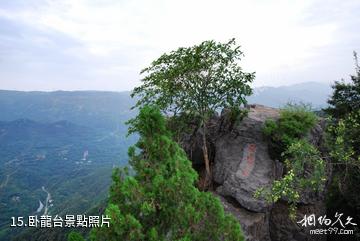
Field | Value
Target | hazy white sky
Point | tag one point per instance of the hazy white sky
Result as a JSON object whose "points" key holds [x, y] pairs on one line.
{"points": [[103, 44]]}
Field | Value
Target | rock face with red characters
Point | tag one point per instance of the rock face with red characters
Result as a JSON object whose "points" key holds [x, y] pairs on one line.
{"points": [[241, 164]]}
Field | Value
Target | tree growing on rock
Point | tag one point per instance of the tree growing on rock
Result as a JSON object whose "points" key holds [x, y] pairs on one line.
{"points": [[160, 201], [346, 95], [344, 131], [344, 143], [197, 80]]}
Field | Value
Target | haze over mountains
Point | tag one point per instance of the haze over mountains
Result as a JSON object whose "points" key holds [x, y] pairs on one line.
{"points": [[313, 93], [68, 142], [108, 110], [96, 109], [64, 143]]}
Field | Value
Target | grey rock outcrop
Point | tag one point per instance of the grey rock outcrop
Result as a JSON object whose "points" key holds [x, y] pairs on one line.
{"points": [[241, 164], [282, 228], [254, 224]]}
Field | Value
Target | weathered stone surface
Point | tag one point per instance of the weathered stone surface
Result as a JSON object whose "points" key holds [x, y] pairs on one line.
{"points": [[192, 144], [254, 225], [242, 163], [192, 141], [284, 229]]}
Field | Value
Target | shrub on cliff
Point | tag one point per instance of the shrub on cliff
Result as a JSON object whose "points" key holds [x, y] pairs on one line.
{"points": [[344, 144], [304, 165], [294, 123]]}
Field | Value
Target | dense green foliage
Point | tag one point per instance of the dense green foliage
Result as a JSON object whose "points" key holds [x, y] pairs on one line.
{"points": [[305, 168], [197, 80], [294, 123], [345, 98], [344, 142], [160, 201], [74, 236], [345, 116]]}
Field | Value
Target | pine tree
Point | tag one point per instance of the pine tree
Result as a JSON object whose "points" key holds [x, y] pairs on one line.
{"points": [[159, 201]]}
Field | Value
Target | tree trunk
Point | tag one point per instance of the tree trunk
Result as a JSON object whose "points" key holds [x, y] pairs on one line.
{"points": [[206, 159]]}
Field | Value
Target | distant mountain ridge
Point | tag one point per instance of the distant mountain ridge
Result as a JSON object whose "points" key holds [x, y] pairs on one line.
{"points": [[313, 93], [109, 110], [96, 109]]}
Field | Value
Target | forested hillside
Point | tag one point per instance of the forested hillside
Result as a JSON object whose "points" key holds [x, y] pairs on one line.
{"points": [[64, 147]]}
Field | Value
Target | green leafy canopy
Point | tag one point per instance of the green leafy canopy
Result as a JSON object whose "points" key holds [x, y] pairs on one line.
{"points": [[343, 140], [198, 79]]}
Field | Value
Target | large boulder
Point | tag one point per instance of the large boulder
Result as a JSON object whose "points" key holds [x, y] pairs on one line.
{"points": [[241, 164]]}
